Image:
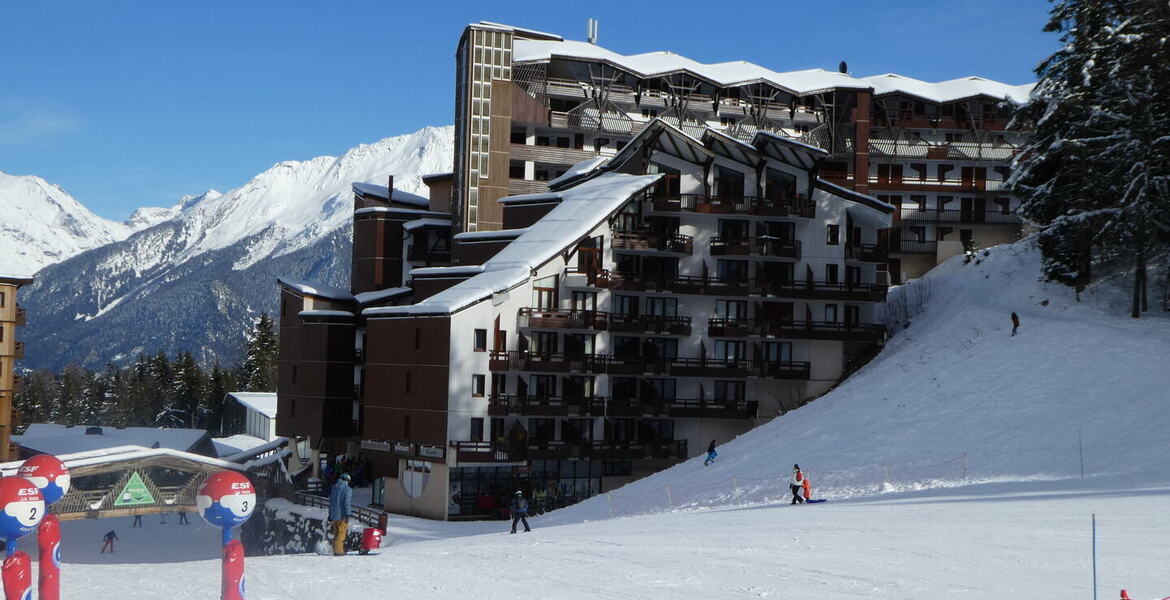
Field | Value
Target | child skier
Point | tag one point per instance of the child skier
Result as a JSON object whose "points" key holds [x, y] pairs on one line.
{"points": [[711, 454], [109, 541]]}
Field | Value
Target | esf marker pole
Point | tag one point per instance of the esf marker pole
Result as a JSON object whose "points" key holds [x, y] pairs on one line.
{"points": [[51, 477], [226, 500]]}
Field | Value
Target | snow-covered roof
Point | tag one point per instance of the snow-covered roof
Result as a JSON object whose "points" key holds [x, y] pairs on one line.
{"points": [[373, 189], [533, 198], [483, 236], [17, 280], [577, 170], [433, 176], [261, 402], [417, 223], [51, 438], [809, 81], [855, 196], [582, 207], [313, 289], [520, 30], [401, 211], [325, 313], [454, 271], [235, 444], [379, 295]]}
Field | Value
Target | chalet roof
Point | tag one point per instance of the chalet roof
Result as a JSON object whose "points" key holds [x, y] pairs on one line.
{"points": [[312, 289], [737, 73], [581, 208], [380, 191]]}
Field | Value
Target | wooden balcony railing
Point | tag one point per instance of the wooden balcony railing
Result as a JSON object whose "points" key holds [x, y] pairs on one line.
{"points": [[550, 154], [721, 327], [21, 317], [532, 449], [712, 408], [721, 246], [526, 186], [689, 284], [546, 405], [562, 319], [774, 369], [993, 217], [770, 246], [632, 365], [662, 242], [822, 330], [820, 290], [867, 252], [18, 350], [906, 246], [660, 324], [747, 205]]}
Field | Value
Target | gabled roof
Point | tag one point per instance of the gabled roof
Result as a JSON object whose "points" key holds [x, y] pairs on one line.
{"points": [[261, 402], [381, 191], [854, 196], [788, 150], [731, 147]]}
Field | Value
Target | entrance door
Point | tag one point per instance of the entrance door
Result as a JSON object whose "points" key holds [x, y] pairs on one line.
{"points": [[965, 210]]}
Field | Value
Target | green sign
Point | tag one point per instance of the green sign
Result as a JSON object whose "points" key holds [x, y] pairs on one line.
{"points": [[134, 493]]}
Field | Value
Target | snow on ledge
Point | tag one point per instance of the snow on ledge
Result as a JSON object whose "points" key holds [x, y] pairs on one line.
{"points": [[313, 289], [480, 236], [379, 295], [456, 271], [417, 223], [325, 313], [372, 189]]}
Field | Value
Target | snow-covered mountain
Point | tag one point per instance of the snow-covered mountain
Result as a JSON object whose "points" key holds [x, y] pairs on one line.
{"points": [[196, 279], [41, 224]]}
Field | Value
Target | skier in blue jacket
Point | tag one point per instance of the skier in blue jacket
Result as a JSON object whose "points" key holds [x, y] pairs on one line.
{"points": [[520, 511]]}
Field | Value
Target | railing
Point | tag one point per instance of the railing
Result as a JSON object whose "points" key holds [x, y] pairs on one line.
{"points": [[958, 216], [775, 369], [748, 205], [515, 360], [550, 154], [713, 408], [366, 516], [546, 405], [822, 330], [672, 325], [599, 278], [867, 252], [595, 123], [769, 246], [689, 284], [821, 290], [530, 449], [21, 317], [562, 319], [525, 186], [721, 246], [664, 242], [721, 327], [428, 255], [906, 246]]}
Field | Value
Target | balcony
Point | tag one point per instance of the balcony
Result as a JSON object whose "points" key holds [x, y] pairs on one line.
{"points": [[550, 154], [526, 186], [661, 242], [774, 369], [745, 205], [721, 246], [660, 324], [551, 362], [770, 246], [707, 367], [538, 318], [821, 290], [21, 317], [487, 452], [991, 217], [729, 327], [713, 409], [554, 406], [17, 383], [906, 246], [594, 278], [620, 450], [18, 350], [867, 252], [798, 206], [822, 330], [429, 256], [512, 452]]}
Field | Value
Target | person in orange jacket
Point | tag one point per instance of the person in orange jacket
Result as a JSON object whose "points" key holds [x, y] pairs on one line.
{"points": [[807, 488]]}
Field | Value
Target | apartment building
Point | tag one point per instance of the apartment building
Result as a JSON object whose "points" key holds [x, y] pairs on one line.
{"points": [[530, 104], [11, 350], [633, 256]]}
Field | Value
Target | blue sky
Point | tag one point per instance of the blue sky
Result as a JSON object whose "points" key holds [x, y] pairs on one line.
{"points": [[128, 104]]}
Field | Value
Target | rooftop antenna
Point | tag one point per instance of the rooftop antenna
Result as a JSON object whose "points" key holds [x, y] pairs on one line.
{"points": [[591, 31]]}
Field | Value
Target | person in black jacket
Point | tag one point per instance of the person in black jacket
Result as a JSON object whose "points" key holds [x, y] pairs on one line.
{"points": [[109, 541], [711, 454], [519, 511]]}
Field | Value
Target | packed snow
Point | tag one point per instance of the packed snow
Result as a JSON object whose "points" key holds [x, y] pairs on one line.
{"points": [[951, 465]]}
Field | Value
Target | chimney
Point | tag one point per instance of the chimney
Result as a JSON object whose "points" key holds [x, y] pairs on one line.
{"points": [[843, 68], [591, 31], [390, 187]]}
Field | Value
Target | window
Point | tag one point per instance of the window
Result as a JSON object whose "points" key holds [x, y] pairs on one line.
{"points": [[625, 306], [831, 313], [831, 273], [662, 307], [661, 348], [834, 235], [663, 389], [777, 351], [732, 270], [477, 385], [852, 314], [543, 342], [499, 384], [649, 113], [294, 374], [655, 430], [542, 386], [497, 428], [516, 170], [733, 229], [1, 299], [519, 136], [542, 429], [729, 391], [729, 350], [480, 340], [918, 202], [727, 121], [476, 429], [626, 346], [731, 310], [624, 387], [407, 382]]}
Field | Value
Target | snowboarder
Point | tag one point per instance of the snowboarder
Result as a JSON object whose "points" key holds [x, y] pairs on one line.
{"points": [[711, 454], [340, 504], [109, 539], [520, 511], [796, 485], [1015, 323]]}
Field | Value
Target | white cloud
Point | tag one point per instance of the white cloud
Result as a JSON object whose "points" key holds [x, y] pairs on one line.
{"points": [[25, 122]]}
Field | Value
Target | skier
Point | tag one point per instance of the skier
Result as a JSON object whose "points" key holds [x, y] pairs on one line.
{"points": [[520, 511], [711, 454], [340, 504], [797, 484], [183, 519], [109, 541], [137, 521], [1015, 323]]}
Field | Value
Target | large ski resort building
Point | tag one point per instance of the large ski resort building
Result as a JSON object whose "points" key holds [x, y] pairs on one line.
{"points": [[11, 350], [635, 255]]}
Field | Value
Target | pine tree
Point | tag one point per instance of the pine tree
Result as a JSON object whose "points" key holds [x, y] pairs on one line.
{"points": [[188, 391], [259, 368], [219, 384]]}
